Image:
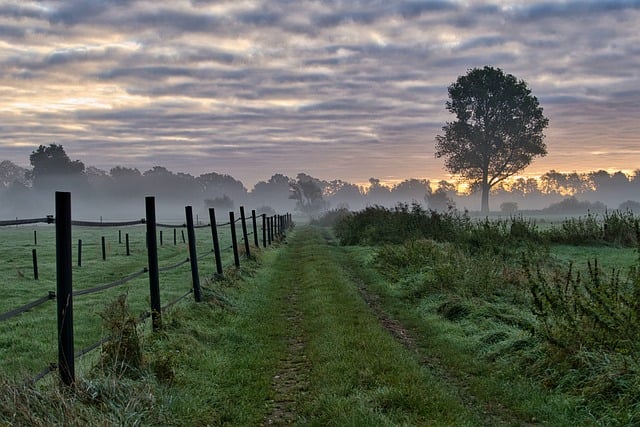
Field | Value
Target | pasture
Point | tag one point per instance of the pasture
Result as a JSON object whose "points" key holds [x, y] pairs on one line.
{"points": [[382, 317], [29, 340]]}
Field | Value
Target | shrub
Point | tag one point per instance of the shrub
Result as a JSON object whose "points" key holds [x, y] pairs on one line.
{"points": [[330, 218], [598, 312], [616, 227], [123, 351]]}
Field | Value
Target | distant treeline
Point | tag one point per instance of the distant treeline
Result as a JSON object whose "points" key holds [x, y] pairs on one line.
{"points": [[25, 192]]}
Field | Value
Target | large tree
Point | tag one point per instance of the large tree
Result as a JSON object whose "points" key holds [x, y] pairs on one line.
{"points": [[52, 167], [497, 131], [307, 192]]}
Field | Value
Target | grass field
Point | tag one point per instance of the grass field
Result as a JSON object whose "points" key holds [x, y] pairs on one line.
{"points": [[420, 332], [29, 340]]}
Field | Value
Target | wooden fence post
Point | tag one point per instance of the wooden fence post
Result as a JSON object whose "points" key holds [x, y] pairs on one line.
{"points": [[245, 235], [64, 290], [264, 230], [255, 228], [34, 256], [216, 242], [193, 256], [126, 242], [152, 256], [234, 240], [79, 252], [104, 249], [269, 230]]}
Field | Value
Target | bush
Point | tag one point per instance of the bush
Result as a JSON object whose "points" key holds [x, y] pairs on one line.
{"points": [[616, 227], [379, 225], [571, 205], [330, 218], [598, 312], [122, 353]]}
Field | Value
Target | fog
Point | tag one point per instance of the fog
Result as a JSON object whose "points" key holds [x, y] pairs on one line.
{"points": [[119, 194]]}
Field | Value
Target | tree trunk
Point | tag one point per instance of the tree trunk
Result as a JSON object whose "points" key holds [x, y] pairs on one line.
{"points": [[485, 197]]}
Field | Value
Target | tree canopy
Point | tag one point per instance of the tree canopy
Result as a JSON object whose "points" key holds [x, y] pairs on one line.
{"points": [[50, 164], [498, 129]]}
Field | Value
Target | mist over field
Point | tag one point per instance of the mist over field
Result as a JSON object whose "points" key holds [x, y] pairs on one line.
{"points": [[119, 193]]}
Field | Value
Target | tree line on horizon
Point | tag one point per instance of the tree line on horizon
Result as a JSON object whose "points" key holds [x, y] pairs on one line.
{"points": [[23, 190]]}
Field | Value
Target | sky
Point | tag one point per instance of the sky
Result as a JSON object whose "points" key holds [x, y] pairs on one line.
{"points": [[338, 89]]}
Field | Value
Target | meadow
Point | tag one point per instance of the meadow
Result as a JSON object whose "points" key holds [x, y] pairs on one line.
{"points": [[555, 306], [380, 317], [29, 340]]}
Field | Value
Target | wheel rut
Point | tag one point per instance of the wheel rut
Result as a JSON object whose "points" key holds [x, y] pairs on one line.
{"points": [[493, 412], [290, 384]]}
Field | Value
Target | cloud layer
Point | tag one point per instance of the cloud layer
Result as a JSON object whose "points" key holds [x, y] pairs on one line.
{"points": [[338, 89]]}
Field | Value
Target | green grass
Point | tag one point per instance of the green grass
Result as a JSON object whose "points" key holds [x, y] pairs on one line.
{"points": [[609, 256], [478, 344], [290, 335], [359, 374], [29, 341]]}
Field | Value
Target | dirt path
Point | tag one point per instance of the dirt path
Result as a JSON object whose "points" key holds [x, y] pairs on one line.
{"points": [[346, 360], [290, 382], [494, 413]]}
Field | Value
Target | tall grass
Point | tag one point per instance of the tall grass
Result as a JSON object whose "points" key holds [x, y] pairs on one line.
{"points": [[579, 327], [378, 225]]}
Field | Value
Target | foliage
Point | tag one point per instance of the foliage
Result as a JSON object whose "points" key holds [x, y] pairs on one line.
{"points": [[378, 225], [331, 217], [123, 352], [616, 227], [498, 128], [307, 192], [222, 204], [597, 312], [574, 331], [571, 205], [52, 163], [590, 324]]}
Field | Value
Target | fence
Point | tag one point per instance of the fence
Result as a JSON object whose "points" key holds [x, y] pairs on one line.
{"points": [[273, 227]]}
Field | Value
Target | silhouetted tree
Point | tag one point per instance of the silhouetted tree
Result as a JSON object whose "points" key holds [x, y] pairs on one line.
{"points": [[274, 192], [344, 194], [498, 130], [411, 190], [439, 200], [307, 192], [11, 173], [214, 183], [52, 167], [378, 193], [222, 204]]}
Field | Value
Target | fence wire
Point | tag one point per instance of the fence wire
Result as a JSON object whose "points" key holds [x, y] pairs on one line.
{"points": [[51, 296], [46, 220], [9, 314]]}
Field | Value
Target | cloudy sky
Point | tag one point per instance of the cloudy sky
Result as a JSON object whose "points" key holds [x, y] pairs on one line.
{"points": [[347, 89]]}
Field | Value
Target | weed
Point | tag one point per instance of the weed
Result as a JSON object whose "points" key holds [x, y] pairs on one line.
{"points": [[597, 312], [123, 352]]}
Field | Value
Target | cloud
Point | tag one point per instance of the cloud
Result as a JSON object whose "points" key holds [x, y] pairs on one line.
{"points": [[350, 89]]}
